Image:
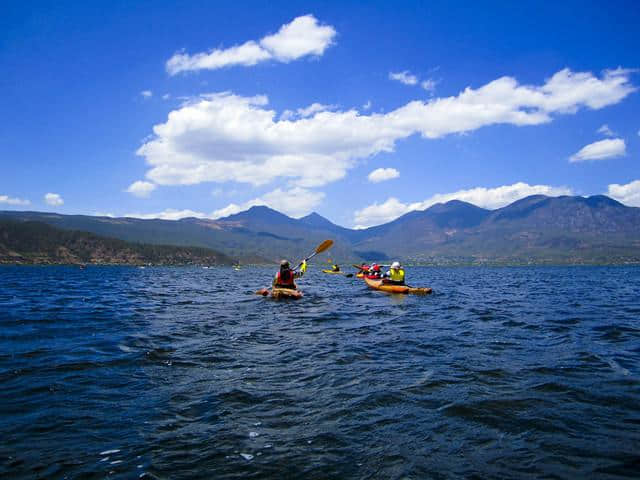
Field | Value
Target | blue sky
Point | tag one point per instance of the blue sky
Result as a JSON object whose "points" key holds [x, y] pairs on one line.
{"points": [[360, 111]]}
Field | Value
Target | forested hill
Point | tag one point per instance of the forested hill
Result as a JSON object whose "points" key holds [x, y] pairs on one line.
{"points": [[36, 243]]}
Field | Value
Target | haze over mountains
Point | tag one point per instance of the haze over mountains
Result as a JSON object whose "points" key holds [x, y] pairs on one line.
{"points": [[535, 229]]}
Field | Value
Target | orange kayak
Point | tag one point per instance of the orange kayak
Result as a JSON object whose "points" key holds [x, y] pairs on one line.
{"points": [[385, 287], [280, 293]]}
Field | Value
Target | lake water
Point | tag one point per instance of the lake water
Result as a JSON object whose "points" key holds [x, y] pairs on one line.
{"points": [[184, 373]]}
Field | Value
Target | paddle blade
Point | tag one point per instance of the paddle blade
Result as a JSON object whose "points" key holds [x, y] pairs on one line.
{"points": [[324, 245]]}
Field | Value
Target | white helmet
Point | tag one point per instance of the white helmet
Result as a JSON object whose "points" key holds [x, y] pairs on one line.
{"points": [[395, 265]]}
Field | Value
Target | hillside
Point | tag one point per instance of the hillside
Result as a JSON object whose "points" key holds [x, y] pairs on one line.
{"points": [[40, 244], [536, 229]]}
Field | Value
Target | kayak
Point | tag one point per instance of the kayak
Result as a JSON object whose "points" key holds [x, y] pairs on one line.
{"points": [[280, 293], [333, 272], [378, 285], [360, 275]]}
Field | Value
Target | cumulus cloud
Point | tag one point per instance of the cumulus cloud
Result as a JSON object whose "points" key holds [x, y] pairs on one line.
{"points": [[382, 174], [404, 77], [225, 137], [146, 93], [606, 131], [603, 149], [295, 202], [141, 188], [168, 214], [490, 198], [13, 200], [629, 193], [53, 199], [302, 37]]}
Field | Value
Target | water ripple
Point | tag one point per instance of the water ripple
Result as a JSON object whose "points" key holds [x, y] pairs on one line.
{"points": [[179, 373]]}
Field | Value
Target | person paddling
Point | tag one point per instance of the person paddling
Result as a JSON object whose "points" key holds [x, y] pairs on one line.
{"points": [[285, 276], [395, 275], [335, 268]]}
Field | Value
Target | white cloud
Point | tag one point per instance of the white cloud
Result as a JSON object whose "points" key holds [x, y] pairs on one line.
{"points": [[146, 93], [367, 106], [168, 214], [382, 174], [141, 188], [103, 214], [379, 213], [404, 77], [225, 137], [490, 198], [429, 85], [608, 148], [166, 96], [629, 194], [606, 131], [300, 38], [53, 199], [306, 112], [295, 202], [13, 200]]}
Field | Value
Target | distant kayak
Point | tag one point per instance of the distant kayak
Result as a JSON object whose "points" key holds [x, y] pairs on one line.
{"points": [[385, 287], [278, 293], [331, 272], [360, 275]]}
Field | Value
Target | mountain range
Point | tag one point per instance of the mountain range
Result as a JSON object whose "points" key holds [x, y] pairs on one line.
{"points": [[534, 230]]}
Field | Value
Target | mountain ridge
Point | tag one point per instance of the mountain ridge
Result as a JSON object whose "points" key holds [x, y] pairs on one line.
{"points": [[534, 229]]}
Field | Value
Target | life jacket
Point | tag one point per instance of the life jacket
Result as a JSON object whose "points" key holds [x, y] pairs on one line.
{"points": [[285, 278], [396, 275]]}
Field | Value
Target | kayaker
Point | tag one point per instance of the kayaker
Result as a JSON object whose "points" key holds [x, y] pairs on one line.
{"points": [[395, 275], [335, 268], [285, 276], [374, 271]]}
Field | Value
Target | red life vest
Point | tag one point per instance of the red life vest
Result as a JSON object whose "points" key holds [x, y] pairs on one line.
{"points": [[286, 279]]}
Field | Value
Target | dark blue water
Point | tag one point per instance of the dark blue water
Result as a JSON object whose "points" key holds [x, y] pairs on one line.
{"points": [[179, 373]]}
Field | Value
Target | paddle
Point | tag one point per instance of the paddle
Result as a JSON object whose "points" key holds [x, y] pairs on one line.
{"points": [[321, 248]]}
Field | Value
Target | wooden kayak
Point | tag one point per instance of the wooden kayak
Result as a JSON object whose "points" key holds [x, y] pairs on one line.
{"points": [[278, 293], [385, 287]]}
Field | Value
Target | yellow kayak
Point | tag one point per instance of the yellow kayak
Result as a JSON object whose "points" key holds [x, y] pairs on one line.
{"points": [[390, 288], [333, 272]]}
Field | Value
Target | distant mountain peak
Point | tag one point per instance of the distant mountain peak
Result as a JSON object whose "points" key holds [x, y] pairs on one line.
{"points": [[257, 212], [315, 218]]}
